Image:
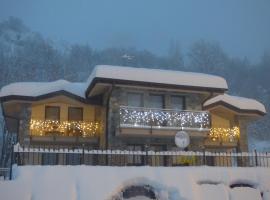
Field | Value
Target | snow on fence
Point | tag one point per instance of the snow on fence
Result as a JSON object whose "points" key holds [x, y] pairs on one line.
{"points": [[65, 156]]}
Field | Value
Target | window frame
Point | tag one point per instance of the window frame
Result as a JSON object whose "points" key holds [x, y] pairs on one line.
{"points": [[58, 110], [138, 93], [74, 107], [181, 96], [157, 94]]}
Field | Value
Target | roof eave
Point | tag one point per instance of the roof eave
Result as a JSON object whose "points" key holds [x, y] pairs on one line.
{"points": [[142, 83], [50, 95], [234, 108]]}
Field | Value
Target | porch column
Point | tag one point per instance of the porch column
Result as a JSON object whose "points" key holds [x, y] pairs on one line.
{"points": [[243, 139]]}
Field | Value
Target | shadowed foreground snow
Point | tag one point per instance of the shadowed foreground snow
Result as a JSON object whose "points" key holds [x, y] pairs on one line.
{"points": [[105, 183]]}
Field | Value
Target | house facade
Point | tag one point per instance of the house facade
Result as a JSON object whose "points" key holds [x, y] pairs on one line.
{"points": [[130, 109]]}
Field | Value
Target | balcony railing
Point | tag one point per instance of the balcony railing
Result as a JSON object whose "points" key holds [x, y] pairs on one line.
{"points": [[224, 135], [64, 128], [164, 118]]}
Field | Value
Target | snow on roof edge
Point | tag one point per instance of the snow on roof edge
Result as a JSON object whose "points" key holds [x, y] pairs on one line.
{"points": [[241, 103], [160, 76], [35, 89]]}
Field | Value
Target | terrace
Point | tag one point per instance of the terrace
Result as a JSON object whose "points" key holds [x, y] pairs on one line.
{"points": [[164, 118], [64, 131]]}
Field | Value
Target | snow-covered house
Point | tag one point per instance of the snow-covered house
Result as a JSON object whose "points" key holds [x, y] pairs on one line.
{"points": [[130, 108]]}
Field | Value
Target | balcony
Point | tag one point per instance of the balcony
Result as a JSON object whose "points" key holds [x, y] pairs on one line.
{"points": [[65, 131], [159, 121], [223, 136]]}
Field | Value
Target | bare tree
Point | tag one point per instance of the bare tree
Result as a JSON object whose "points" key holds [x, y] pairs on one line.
{"points": [[207, 57]]}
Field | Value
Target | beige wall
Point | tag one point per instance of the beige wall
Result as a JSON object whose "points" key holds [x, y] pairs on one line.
{"points": [[38, 111], [91, 113], [220, 122]]}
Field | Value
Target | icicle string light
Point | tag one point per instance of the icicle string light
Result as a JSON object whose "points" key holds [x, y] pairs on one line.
{"points": [[224, 134], [164, 118], [64, 128]]}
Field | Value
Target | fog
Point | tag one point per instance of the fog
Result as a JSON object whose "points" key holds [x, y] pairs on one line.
{"points": [[50, 40], [241, 27]]}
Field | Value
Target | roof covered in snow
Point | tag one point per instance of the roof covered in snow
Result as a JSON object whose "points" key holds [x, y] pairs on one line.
{"points": [[157, 76], [125, 75], [36, 89], [240, 103]]}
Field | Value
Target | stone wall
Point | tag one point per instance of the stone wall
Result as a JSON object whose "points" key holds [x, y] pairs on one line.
{"points": [[243, 139], [119, 97]]}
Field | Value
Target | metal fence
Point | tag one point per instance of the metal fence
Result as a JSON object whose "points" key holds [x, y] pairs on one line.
{"points": [[4, 173], [65, 156]]}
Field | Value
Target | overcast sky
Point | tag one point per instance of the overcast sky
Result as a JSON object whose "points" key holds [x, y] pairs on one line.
{"points": [[242, 27]]}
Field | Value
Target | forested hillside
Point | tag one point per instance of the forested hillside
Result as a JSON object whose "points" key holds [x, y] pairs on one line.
{"points": [[28, 56]]}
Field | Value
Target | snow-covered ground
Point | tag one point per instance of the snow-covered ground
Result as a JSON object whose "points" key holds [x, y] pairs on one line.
{"points": [[104, 183]]}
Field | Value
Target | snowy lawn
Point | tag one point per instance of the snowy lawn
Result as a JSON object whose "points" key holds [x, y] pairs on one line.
{"points": [[104, 183]]}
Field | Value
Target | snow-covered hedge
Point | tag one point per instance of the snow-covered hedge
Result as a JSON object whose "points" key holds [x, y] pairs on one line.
{"points": [[107, 183]]}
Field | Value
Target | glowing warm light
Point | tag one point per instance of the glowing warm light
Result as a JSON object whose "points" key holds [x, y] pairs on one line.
{"points": [[224, 134], [163, 117], [64, 128]]}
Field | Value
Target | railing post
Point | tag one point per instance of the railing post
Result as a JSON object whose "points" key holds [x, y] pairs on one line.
{"points": [[11, 162], [256, 158]]}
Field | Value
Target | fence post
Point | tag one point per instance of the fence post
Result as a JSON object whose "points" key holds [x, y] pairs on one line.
{"points": [[256, 158], [204, 157], [11, 162], [82, 156], [146, 155]]}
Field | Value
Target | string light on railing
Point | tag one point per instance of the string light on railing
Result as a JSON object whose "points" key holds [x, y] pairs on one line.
{"points": [[144, 116], [86, 129], [224, 134]]}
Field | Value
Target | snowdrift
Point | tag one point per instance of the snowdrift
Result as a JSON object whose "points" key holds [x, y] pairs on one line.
{"points": [[108, 183]]}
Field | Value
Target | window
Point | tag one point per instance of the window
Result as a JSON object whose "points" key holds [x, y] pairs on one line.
{"points": [[135, 99], [156, 101], [177, 102], [75, 114], [52, 113]]}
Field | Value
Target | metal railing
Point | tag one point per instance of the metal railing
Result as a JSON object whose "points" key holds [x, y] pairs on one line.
{"points": [[163, 118], [65, 156]]}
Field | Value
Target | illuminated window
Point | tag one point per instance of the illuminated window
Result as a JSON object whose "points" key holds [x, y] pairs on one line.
{"points": [[135, 99], [52, 113]]}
